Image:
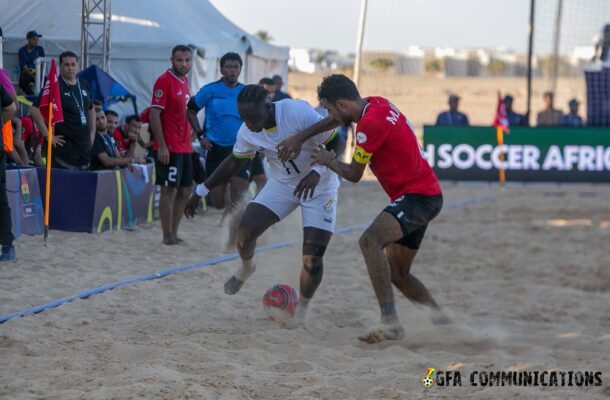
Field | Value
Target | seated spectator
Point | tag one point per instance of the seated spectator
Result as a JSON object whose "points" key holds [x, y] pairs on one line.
{"points": [[279, 95], [572, 118], [27, 62], [269, 86], [127, 135], [104, 154], [550, 116], [112, 120], [453, 116], [32, 141], [514, 119]]}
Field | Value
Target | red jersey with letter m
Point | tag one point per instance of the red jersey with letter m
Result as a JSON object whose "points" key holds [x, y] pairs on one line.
{"points": [[171, 95], [386, 139]]}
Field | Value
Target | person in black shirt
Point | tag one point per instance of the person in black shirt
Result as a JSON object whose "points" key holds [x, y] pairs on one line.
{"points": [[104, 154], [8, 109], [279, 95], [72, 138]]}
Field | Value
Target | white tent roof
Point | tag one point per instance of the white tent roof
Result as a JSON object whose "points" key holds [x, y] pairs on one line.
{"points": [[142, 36]]}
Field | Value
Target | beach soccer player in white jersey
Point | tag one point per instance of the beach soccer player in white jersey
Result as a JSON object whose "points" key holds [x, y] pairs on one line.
{"points": [[291, 184]]}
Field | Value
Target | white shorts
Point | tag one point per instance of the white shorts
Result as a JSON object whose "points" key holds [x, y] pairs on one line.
{"points": [[317, 212]]}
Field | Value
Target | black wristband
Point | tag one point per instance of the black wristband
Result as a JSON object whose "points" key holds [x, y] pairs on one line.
{"points": [[201, 134]]}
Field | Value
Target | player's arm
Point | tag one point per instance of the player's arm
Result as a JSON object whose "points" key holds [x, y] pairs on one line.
{"points": [[192, 109], [157, 129], [221, 175], [290, 148], [38, 119], [226, 170], [194, 105], [352, 172], [306, 187]]}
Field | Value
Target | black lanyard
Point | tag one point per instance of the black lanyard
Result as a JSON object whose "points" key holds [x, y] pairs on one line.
{"points": [[109, 145], [81, 106]]}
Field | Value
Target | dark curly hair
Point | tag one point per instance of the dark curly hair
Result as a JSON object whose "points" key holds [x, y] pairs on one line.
{"points": [[337, 86], [231, 56], [252, 94]]}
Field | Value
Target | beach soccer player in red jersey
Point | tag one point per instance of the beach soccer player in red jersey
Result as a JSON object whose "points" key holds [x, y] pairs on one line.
{"points": [[386, 140]]}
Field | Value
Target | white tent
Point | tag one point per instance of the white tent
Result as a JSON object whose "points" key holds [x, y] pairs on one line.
{"points": [[142, 36]]}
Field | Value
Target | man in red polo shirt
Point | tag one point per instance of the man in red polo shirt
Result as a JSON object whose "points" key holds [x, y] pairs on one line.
{"points": [[128, 135], [386, 140], [32, 140], [172, 146]]}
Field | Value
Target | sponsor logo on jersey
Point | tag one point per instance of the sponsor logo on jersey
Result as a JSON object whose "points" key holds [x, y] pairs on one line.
{"points": [[361, 137]]}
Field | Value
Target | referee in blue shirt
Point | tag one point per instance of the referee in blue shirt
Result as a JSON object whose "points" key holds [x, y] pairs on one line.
{"points": [[222, 121]]}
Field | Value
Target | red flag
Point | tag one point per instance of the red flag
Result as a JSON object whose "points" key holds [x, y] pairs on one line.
{"points": [[50, 94], [501, 119]]}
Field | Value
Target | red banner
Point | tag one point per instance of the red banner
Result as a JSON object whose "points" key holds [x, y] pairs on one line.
{"points": [[51, 94]]}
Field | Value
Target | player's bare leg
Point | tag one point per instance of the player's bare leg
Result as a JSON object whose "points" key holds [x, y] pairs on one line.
{"points": [[166, 210], [255, 220], [383, 231], [315, 242], [401, 259], [182, 195], [218, 197], [237, 195]]}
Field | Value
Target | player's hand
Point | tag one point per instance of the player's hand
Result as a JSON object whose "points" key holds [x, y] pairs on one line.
{"points": [[307, 186], [58, 141], [322, 156], [163, 155], [290, 148], [205, 143], [190, 209]]}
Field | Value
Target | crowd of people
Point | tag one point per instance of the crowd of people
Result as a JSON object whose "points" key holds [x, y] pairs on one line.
{"points": [[549, 117]]}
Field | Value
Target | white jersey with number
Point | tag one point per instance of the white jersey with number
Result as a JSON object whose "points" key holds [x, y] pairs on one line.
{"points": [[291, 116]]}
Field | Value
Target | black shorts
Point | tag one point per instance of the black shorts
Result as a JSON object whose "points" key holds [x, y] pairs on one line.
{"points": [[257, 165], [414, 212], [217, 154], [179, 172]]}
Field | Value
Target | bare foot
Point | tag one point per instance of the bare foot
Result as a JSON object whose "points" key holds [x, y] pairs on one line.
{"points": [[233, 285], [169, 242], [384, 332]]}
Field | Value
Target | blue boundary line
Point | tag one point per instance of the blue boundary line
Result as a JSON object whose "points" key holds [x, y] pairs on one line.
{"points": [[205, 263]]}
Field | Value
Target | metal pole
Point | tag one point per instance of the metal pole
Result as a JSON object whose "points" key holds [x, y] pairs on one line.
{"points": [[363, 6], [555, 63], [83, 35], [530, 49], [107, 30], [347, 153]]}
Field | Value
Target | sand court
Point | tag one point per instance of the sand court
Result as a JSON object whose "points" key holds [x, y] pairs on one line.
{"points": [[527, 292]]}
